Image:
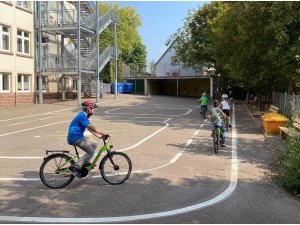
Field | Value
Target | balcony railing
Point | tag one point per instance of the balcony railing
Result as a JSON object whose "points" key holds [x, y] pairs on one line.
{"points": [[58, 18]]}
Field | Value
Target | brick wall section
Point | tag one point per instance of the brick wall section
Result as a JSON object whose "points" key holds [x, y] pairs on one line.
{"points": [[7, 99], [12, 99]]}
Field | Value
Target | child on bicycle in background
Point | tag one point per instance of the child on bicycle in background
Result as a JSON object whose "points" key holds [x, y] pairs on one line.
{"points": [[216, 115], [203, 101], [76, 137], [224, 105]]}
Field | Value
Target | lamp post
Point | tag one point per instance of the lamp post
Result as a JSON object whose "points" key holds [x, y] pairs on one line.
{"points": [[211, 72]]}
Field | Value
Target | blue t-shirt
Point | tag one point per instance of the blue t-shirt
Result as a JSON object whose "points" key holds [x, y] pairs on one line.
{"points": [[77, 127]]}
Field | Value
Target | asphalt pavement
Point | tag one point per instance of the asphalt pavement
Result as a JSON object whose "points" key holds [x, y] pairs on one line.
{"points": [[176, 176]]}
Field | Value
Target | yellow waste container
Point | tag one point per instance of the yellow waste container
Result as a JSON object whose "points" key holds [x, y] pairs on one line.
{"points": [[272, 122]]}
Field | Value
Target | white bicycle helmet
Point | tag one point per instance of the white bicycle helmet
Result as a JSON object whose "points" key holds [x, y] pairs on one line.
{"points": [[224, 96]]}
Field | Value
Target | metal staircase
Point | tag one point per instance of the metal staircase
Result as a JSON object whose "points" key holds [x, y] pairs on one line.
{"points": [[56, 19]]}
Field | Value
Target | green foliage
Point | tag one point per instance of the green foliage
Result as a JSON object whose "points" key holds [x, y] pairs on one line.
{"points": [[257, 44], [152, 68], [131, 50], [289, 174]]}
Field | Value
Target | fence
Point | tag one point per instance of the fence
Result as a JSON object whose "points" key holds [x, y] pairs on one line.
{"points": [[287, 104], [106, 88]]}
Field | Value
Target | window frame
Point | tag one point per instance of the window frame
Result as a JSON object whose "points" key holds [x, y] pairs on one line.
{"points": [[23, 39], [22, 82], [1, 82], [1, 39], [21, 5]]}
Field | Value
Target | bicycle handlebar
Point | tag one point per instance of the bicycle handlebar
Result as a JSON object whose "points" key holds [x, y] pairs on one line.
{"points": [[105, 137]]}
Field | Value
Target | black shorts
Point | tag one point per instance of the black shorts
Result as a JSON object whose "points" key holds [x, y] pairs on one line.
{"points": [[226, 111]]}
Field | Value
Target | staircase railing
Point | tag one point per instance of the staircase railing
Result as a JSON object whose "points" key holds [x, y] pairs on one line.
{"points": [[106, 55], [106, 19]]}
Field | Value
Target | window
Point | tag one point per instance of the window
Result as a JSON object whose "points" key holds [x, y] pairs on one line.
{"points": [[23, 42], [23, 82], [23, 4], [4, 82], [4, 38]]}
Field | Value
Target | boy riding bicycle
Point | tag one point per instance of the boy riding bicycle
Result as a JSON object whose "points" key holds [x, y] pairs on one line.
{"points": [[224, 105], [76, 137], [203, 101], [216, 115]]}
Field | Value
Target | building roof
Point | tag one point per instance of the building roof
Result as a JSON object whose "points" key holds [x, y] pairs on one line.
{"points": [[170, 46]]}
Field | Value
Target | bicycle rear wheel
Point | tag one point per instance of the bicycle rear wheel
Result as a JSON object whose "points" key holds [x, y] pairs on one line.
{"points": [[216, 141], [204, 112], [226, 124], [54, 171], [115, 168]]}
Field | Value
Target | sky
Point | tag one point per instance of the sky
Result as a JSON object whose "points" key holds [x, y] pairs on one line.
{"points": [[160, 20]]}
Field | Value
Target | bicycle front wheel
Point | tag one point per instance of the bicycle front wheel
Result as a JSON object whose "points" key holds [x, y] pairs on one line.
{"points": [[226, 124], [115, 168], [54, 171]]}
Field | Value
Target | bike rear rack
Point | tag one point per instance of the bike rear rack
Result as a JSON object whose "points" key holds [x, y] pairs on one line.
{"points": [[56, 151]]}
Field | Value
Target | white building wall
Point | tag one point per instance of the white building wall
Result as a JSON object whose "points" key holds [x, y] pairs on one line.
{"points": [[165, 68], [12, 62]]}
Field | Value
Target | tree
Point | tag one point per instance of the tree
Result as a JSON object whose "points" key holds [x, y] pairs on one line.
{"points": [[194, 41], [129, 41], [255, 44], [152, 68]]}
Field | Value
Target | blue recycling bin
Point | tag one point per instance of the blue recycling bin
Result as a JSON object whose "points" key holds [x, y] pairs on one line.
{"points": [[128, 88], [119, 88]]}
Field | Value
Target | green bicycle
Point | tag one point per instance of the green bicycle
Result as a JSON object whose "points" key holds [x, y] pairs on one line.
{"points": [[226, 123], [115, 167], [216, 135]]}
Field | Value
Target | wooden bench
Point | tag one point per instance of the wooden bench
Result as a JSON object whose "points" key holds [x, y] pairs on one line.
{"points": [[292, 131], [273, 109]]}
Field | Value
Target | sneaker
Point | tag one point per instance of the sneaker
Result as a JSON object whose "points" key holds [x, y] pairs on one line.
{"points": [[223, 145], [74, 170]]}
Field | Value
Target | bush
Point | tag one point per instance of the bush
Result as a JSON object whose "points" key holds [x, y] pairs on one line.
{"points": [[288, 175]]}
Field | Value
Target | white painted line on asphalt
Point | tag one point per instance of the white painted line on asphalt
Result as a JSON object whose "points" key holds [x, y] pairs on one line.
{"points": [[15, 124], [21, 157], [33, 128], [125, 149], [148, 137], [183, 114], [19, 179], [188, 143], [16, 118], [176, 157], [39, 114]]}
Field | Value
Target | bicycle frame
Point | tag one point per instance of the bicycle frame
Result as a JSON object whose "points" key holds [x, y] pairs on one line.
{"points": [[104, 148], [217, 132], [76, 157]]}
